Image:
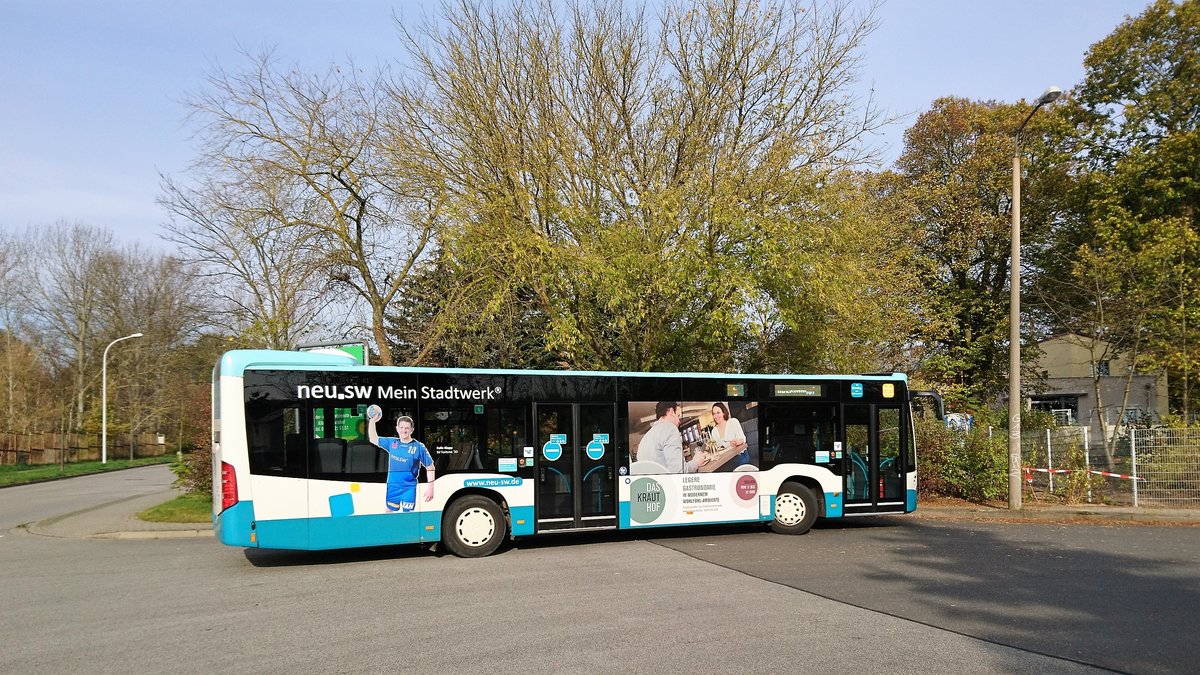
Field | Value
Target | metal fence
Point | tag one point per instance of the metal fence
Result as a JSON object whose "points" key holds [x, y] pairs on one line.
{"points": [[1150, 467], [1166, 463], [1059, 462]]}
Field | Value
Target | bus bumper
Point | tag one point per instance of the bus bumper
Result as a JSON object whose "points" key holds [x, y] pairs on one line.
{"points": [[235, 525]]}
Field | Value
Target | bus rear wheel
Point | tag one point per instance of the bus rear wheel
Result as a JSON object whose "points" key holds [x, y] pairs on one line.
{"points": [[473, 527], [795, 509]]}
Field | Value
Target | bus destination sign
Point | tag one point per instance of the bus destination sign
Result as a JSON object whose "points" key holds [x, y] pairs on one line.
{"points": [[800, 390]]}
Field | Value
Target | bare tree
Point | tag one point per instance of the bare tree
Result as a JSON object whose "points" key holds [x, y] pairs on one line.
{"points": [[155, 295], [63, 291], [305, 153], [266, 275]]}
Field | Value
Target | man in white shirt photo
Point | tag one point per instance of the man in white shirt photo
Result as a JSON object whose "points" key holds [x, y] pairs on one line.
{"points": [[663, 443]]}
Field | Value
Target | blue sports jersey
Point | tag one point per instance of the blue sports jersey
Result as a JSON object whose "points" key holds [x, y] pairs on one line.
{"points": [[404, 464]]}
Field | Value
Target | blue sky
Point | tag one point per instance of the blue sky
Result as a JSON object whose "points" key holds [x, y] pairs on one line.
{"points": [[91, 111]]}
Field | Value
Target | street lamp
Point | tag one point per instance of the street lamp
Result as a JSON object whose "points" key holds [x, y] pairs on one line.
{"points": [[1014, 316], [104, 397]]}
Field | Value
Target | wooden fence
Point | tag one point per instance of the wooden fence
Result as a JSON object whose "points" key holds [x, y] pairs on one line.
{"points": [[51, 448]]}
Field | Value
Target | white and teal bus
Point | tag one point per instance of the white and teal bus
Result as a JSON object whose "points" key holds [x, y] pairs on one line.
{"points": [[516, 453]]}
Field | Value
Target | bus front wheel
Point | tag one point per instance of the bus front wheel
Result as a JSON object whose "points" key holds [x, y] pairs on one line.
{"points": [[795, 509], [473, 527]]}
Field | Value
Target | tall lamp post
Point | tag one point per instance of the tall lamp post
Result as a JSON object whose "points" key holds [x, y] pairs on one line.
{"points": [[104, 397], [1014, 316]]}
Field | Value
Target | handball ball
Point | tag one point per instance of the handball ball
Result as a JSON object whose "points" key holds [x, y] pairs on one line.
{"points": [[374, 411]]}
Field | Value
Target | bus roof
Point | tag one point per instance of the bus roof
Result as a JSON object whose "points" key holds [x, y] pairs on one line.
{"points": [[235, 363]]}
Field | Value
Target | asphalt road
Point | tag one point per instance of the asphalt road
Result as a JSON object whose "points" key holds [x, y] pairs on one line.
{"points": [[892, 595], [1120, 597], [26, 503]]}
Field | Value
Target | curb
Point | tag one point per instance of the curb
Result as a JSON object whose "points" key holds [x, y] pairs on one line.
{"points": [[36, 527], [1063, 514], [154, 534], [117, 520]]}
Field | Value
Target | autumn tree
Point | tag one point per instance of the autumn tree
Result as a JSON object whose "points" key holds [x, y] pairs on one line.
{"points": [[1140, 124], [953, 181], [651, 185], [1125, 257]]}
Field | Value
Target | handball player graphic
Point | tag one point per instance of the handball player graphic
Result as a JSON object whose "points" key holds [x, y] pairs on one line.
{"points": [[406, 456]]}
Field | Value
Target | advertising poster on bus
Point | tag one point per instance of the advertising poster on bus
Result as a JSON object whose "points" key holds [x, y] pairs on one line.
{"points": [[668, 437]]}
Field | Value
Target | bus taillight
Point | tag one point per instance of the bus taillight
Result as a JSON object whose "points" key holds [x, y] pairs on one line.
{"points": [[228, 486]]}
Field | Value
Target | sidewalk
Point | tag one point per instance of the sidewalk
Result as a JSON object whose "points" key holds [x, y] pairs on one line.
{"points": [[1061, 513], [118, 520]]}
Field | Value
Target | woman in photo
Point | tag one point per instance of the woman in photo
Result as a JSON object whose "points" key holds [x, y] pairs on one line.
{"points": [[727, 433]]}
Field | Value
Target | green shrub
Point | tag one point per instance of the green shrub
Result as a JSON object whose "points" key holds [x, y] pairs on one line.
{"points": [[193, 471], [1072, 487], [963, 465]]}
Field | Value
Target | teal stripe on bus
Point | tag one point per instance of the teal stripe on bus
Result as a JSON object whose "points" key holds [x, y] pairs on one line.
{"points": [[522, 513], [381, 529], [833, 505], [232, 525]]}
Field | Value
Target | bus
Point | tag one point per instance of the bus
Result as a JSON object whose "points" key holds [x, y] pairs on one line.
{"points": [[298, 462]]}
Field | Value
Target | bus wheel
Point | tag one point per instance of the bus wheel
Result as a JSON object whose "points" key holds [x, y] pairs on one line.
{"points": [[473, 527], [795, 509]]}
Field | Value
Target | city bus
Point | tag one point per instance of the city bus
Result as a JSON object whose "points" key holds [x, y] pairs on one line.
{"points": [[505, 454]]}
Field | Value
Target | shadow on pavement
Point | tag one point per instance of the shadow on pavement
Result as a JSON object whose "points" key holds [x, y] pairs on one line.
{"points": [[264, 557], [289, 558], [1118, 598], [1130, 607]]}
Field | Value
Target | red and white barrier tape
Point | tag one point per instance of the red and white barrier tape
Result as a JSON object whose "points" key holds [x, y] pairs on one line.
{"points": [[1029, 473], [1114, 475]]}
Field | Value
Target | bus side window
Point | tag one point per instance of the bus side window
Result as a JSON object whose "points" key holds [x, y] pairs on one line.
{"points": [[275, 442], [339, 448], [505, 436], [799, 434], [329, 456], [364, 457], [294, 453]]}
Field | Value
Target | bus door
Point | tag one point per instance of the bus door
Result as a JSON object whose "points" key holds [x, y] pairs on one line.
{"points": [[576, 465], [873, 466]]}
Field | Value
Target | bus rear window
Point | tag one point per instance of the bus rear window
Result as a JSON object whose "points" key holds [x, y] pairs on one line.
{"points": [[276, 440]]}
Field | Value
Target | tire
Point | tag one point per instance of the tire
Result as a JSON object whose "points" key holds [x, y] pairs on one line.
{"points": [[473, 527], [795, 509]]}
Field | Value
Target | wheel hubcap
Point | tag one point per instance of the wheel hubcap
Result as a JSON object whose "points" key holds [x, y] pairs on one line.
{"points": [[475, 527], [789, 509]]}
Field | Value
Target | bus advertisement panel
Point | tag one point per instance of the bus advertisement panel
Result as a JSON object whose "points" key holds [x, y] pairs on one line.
{"points": [[692, 436]]}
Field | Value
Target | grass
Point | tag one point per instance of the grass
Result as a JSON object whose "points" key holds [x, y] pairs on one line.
{"points": [[21, 475], [188, 508]]}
